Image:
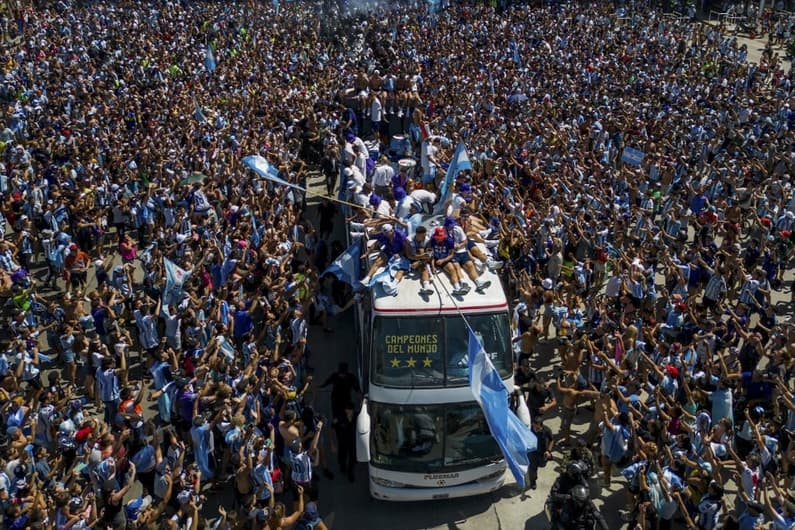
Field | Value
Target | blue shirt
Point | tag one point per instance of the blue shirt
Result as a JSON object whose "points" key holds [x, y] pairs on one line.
{"points": [[442, 249], [393, 246], [243, 323]]}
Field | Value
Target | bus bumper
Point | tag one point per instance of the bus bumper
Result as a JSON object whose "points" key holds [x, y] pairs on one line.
{"points": [[411, 494]]}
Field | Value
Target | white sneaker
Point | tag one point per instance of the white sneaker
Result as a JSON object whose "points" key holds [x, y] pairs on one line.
{"points": [[365, 282], [493, 265], [491, 243]]}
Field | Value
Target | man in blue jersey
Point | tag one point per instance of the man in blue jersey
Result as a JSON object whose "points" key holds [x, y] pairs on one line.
{"points": [[443, 251], [392, 243]]}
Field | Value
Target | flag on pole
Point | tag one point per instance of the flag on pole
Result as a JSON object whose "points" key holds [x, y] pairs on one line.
{"points": [[198, 113], [515, 438], [256, 239], [460, 162], [347, 265], [175, 279], [276, 7], [209, 59], [515, 48], [266, 170]]}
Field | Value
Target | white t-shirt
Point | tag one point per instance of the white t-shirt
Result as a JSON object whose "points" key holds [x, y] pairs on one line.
{"points": [[376, 109], [423, 196], [427, 155], [382, 175]]}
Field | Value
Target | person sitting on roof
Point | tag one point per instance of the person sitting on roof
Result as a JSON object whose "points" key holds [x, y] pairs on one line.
{"points": [[418, 250], [442, 248], [461, 256], [392, 244]]}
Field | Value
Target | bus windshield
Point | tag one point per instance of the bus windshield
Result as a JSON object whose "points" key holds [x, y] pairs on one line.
{"points": [[432, 351], [431, 438]]}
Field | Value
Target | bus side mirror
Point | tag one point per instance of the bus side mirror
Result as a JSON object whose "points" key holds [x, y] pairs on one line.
{"points": [[363, 434]]}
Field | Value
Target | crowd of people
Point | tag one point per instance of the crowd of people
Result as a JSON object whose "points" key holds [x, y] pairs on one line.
{"points": [[630, 179]]}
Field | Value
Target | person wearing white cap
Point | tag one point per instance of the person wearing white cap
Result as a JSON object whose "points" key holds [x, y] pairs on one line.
{"points": [[392, 243]]}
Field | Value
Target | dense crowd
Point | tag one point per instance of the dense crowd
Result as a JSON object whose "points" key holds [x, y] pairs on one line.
{"points": [[630, 180]]}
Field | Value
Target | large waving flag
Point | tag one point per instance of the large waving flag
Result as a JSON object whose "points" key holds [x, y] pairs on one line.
{"points": [[175, 279], [514, 437], [346, 266], [209, 59], [266, 170], [460, 162]]}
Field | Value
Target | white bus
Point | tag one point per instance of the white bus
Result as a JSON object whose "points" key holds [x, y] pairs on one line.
{"points": [[420, 429]]}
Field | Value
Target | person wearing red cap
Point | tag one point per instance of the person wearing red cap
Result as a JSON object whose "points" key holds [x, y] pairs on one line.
{"points": [[76, 264], [442, 246]]}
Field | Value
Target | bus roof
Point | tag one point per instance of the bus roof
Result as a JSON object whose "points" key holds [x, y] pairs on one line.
{"points": [[409, 301]]}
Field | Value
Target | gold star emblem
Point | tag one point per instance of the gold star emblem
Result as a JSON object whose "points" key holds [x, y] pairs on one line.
{"points": [[411, 362], [395, 362], [426, 363]]}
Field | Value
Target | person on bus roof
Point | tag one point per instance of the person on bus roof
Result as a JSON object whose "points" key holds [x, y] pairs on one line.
{"points": [[442, 246], [392, 243], [461, 255]]}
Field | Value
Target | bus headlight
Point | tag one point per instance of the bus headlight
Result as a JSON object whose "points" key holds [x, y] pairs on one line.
{"points": [[387, 483]]}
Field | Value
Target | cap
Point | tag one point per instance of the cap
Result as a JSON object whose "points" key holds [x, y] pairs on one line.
{"points": [[449, 221], [672, 370], [387, 228], [311, 513], [439, 234], [375, 199], [547, 283]]}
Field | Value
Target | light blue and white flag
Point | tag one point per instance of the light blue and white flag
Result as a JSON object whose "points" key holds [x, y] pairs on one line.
{"points": [[276, 7], [460, 162], [175, 279], [385, 283], [266, 170], [516, 56], [491, 83], [256, 239], [515, 438], [209, 59], [347, 265], [198, 113]]}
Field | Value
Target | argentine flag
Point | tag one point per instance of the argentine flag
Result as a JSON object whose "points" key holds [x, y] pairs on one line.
{"points": [[514, 437], [460, 162], [209, 59], [175, 279], [346, 266], [264, 169]]}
